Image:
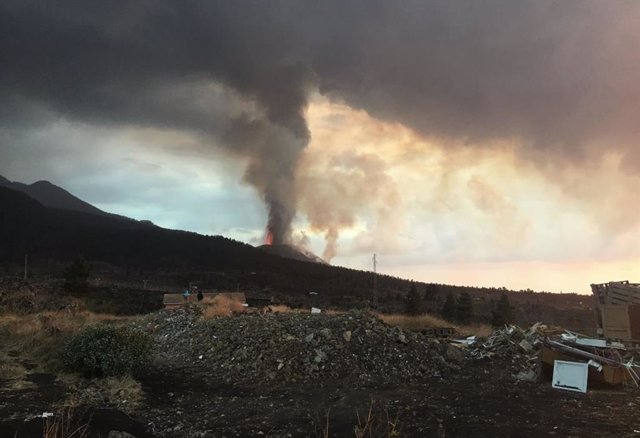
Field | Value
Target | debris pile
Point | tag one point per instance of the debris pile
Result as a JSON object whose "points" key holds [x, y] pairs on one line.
{"points": [[541, 345], [608, 362], [520, 347], [295, 347]]}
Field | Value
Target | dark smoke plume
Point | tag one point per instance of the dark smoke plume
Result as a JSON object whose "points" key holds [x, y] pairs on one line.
{"points": [[557, 78]]}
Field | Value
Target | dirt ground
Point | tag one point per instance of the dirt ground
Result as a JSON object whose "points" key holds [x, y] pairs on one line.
{"points": [[481, 399], [478, 401]]}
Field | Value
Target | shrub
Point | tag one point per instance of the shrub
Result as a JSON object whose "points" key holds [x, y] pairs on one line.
{"points": [[107, 351]]}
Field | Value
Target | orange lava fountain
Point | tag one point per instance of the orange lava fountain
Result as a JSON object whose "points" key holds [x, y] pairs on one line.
{"points": [[269, 238]]}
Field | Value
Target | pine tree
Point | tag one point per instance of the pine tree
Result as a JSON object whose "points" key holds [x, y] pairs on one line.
{"points": [[413, 302], [503, 313], [448, 311], [464, 309], [431, 292], [76, 275]]}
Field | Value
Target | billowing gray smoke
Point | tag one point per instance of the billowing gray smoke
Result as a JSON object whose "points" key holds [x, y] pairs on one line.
{"points": [[557, 77], [117, 62]]}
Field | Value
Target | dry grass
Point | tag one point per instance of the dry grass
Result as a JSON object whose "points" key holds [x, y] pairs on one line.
{"points": [[52, 322], [378, 424], [480, 330], [221, 305], [39, 336], [421, 322], [278, 308], [12, 370], [125, 392], [64, 425]]}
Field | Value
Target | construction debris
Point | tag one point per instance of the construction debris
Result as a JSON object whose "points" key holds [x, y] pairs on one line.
{"points": [[543, 346], [521, 347], [618, 310]]}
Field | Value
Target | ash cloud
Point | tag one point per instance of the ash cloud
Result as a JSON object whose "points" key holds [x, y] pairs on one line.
{"points": [[125, 63], [558, 78]]}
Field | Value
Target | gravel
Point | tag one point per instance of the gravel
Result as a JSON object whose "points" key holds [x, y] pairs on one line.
{"points": [[294, 347]]}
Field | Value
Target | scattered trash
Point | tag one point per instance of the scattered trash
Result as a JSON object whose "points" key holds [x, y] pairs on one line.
{"points": [[467, 341], [595, 364], [47, 414], [527, 376], [570, 376], [315, 310]]}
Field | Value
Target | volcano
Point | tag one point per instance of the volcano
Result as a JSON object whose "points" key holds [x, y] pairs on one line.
{"points": [[292, 252]]}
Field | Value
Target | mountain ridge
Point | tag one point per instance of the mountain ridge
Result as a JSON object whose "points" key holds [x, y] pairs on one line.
{"points": [[52, 196]]}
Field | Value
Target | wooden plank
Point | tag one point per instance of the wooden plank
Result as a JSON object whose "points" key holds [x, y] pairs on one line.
{"points": [[615, 322], [623, 298], [629, 291], [634, 320]]}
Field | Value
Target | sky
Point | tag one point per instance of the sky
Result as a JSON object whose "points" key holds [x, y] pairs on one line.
{"points": [[485, 143]]}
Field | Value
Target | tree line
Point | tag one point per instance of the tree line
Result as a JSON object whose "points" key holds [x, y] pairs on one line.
{"points": [[459, 308]]}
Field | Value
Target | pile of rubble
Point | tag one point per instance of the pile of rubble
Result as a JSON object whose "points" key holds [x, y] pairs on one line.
{"points": [[295, 347], [520, 347], [526, 351]]}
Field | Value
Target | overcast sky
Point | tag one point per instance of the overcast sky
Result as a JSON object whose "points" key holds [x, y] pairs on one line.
{"points": [[468, 142]]}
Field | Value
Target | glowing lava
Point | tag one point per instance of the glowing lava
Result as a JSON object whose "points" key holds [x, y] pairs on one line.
{"points": [[269, 238]]}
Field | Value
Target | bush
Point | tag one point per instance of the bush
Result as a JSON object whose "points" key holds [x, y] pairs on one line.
{"points": [[107, 351]]}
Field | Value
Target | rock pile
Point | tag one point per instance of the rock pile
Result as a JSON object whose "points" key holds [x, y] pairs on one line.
{"points": [[295, 347]]}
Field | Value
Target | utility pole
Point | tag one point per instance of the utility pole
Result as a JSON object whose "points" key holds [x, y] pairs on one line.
{"points": [[26, 265], [375, 281]]}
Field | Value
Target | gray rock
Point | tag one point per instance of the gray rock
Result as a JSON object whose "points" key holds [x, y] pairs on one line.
{"points": [[119, 434], [320, 356], [454, 354]]}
